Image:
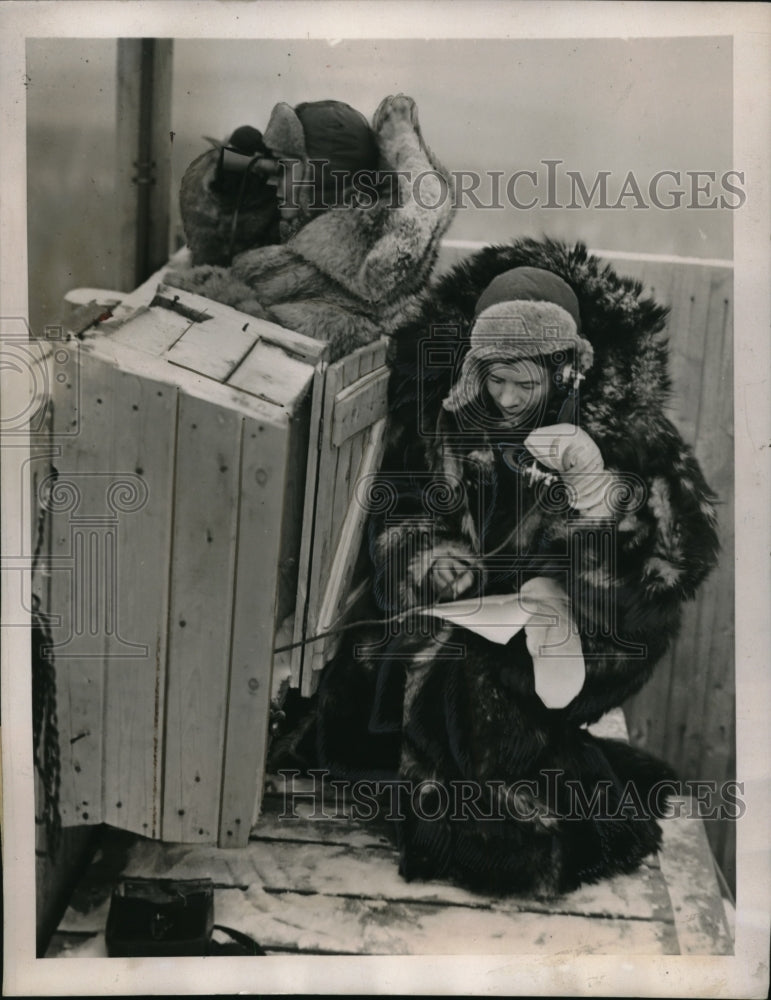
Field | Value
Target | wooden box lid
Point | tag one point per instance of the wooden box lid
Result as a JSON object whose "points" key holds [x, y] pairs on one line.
{"points": [[191, 334]]}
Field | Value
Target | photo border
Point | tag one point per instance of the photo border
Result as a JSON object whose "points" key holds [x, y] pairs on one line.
{"points": [[743, 974]]}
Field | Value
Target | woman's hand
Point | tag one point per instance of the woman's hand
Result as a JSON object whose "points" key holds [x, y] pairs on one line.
{"points": [[449, 577], [572, 453], [442, 572]]}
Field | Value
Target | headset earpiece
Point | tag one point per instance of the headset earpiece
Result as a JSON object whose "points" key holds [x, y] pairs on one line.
{"points": [[571, 378]]}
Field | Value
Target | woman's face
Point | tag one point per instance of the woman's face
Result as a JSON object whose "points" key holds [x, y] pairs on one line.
{"points": [[519, 390]]}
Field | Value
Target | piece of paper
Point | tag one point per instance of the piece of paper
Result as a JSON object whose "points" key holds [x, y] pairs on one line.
{"points": [[555, 646], [497, 618]]}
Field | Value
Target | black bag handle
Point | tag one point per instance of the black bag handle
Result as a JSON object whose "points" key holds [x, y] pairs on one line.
{"points": [[248, 944]]}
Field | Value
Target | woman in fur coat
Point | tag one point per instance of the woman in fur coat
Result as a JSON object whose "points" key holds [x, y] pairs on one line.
{"points": [[543, 475], [362, 212]]}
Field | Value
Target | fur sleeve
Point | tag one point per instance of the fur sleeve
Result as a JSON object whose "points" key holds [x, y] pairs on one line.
{"points": [[406, 540], [667, 521], [628, 590]]}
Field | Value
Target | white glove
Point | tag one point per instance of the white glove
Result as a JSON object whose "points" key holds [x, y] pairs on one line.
{"points": [[574, 455], [559, 670]]}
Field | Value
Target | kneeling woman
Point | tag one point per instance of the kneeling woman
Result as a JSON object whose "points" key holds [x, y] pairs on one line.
{"points": [[565, 511]]}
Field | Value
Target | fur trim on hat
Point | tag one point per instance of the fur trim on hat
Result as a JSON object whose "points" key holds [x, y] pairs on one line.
{"points": [[284, 135], [510, 331], [522, 329]]}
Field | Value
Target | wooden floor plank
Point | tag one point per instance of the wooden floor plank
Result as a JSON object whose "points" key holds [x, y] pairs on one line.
{"points": [[688, 867], [343, 925], [367, 926], [371, 872], [642, 895], [368, 870]]}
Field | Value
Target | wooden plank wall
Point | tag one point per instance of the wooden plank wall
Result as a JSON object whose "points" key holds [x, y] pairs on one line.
{"points": [[686, 713]]}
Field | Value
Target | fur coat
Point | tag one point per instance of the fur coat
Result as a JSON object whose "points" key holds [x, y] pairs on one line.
{"points": [[437, 706], [355, 272]]}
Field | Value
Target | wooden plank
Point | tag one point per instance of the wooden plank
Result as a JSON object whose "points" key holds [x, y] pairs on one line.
{"points": [[80, 686], [322, 518], [292, 526], [269, 373], [333, 521], [340, 574], [721, 647], [212, 349], [316, 425], [333, 824], [364, 364], [350, 367], [145, 365], [376, 357], [317, 924], [717, 750], [671, 285], [138, 302], [361, 405], [332, 518], [684, 349], [81, 527], [127, 147], [349, 377], [664, 732], [329, 869], [328, 925], [143, 416], [263, 486], [360, 445], [153, 331], [687, 865], [715, 442], [207, 482], [704, 342], [298, 345], [665, 714]]}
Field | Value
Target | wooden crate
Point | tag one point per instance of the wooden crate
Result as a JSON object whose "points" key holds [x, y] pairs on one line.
{"points": [[206, 467]]}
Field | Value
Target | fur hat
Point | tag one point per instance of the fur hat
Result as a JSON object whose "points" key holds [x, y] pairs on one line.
{"points": [[526, 312], [332, 135]]}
